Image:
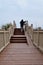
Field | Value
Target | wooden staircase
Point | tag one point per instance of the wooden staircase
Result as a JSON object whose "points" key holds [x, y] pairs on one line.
{"points": [[18, 37], [19, 53], [17, 31]]}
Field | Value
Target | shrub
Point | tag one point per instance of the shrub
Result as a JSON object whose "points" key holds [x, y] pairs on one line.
{"points": [[6, 26]]}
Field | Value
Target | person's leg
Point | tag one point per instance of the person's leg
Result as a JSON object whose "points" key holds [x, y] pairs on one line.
{"points": [[21, 29], [24, 27]]}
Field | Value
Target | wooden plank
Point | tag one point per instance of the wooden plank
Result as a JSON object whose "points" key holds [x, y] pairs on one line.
{"points": [[21, 54]]}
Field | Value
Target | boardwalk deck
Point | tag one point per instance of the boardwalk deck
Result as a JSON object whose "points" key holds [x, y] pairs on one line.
{"points": [[21, 54]]}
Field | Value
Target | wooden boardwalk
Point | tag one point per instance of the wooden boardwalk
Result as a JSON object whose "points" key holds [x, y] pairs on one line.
{"points": [[21, 54]]}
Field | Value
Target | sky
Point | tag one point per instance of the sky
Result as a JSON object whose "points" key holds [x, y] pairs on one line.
{"points": [[31, 10]]}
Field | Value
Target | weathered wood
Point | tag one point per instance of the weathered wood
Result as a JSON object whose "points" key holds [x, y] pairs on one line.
{"points": [[21, 54], [18, 37]]}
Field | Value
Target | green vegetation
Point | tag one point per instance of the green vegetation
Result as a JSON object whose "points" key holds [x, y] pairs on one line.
{"points": [[6, 26]]}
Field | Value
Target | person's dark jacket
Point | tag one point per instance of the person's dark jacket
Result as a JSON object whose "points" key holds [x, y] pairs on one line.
{"points": [[22, 23]]}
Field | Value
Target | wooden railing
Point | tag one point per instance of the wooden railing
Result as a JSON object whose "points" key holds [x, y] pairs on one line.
{"points": [[5, 36], [35, 36], [38, 39]]}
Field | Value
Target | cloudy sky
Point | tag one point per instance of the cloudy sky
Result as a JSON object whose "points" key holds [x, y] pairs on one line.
{"points": [[31, 10]]}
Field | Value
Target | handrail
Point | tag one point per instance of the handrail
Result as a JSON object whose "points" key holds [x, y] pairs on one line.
{"points": [[3, 31], [5, 36]]}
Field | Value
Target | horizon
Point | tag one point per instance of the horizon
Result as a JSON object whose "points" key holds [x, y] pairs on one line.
{"points": [[31, 10]]}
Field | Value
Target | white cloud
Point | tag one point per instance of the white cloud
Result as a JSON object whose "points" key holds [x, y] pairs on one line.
{"points": [[22, 3], [18, 9]]}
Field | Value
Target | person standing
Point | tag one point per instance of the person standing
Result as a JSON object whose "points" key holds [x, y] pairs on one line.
{"points": [[21, 24]]}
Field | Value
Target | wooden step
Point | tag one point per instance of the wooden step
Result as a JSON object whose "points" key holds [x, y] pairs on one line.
{"points": [[17, 31], [18, 38], [18, 41]]}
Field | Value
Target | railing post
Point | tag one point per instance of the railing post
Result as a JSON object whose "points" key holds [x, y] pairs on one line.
{"points": [[32, 32], [4, 37], [26, 26], [14, 23], [38, 37]]}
